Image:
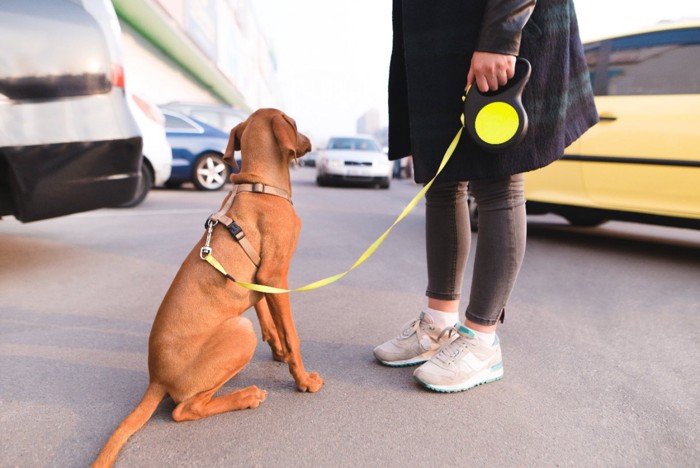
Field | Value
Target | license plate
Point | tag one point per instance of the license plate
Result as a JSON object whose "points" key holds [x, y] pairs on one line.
{"points": [[358, 172]]}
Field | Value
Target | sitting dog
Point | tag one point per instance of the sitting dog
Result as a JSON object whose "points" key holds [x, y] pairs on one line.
{"points": [[199, 338]]}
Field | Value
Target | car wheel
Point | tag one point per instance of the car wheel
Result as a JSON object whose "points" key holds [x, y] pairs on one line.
{"points": [[473, 212], [385, 183], [144, 186], [210, 172], [321, 181]]}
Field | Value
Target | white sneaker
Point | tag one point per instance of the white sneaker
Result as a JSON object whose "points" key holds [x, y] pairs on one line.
{"points": [[418, 341], [461, 364]]}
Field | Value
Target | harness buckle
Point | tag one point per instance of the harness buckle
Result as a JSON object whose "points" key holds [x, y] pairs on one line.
{"points": [[209, 226], [236, 231], [258, 187]]}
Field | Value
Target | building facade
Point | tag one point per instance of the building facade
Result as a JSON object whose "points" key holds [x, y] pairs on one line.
{"points": [[208, 51]]}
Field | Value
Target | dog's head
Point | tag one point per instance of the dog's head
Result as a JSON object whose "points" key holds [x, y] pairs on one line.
{"points": [[253, 130]]}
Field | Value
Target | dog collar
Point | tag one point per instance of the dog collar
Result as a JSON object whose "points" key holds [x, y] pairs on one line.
{"points": [[259, 187]]}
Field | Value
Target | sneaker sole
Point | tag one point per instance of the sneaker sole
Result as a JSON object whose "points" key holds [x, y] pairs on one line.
{"points": [[408, 362], [490, 375]]}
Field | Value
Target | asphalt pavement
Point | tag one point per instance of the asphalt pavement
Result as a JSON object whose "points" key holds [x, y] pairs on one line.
{"points": [[601, 345]]}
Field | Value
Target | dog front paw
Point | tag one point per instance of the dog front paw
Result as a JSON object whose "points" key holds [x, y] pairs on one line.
{"points": [[279, 356], [312, 383]]}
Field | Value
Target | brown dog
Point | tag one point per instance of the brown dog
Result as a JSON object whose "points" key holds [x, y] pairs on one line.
{"points": [[199, 339]]}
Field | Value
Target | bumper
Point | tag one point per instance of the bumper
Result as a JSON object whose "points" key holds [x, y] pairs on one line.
{"points": [[46, 181]]}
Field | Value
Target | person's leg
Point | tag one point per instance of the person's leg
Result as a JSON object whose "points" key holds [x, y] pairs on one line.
{"points": [[448, 238], [474, 357], [500, 248]]}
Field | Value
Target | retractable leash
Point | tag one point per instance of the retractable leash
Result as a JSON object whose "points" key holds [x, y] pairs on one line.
{"points": [[495, 121]]}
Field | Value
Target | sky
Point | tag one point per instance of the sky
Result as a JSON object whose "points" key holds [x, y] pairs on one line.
{"points": [[333, 57]]}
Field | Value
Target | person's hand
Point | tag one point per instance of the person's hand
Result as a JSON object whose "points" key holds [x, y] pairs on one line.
{"points": [[489, 70]]}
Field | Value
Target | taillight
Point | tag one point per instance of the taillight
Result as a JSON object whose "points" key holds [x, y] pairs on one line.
{"points": [[117, 76], [151, 111]]}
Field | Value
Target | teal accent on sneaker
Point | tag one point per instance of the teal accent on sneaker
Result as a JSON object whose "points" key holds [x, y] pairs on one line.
{"points": [[464, 330]]}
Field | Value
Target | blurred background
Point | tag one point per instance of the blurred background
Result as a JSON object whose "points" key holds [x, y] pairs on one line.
{"points": [[325, 63], [113, 97]]}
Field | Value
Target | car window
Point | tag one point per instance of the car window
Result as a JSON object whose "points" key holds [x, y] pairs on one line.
{"points": [[361, 144], [664, 62], [210, 117], [176, 123]]}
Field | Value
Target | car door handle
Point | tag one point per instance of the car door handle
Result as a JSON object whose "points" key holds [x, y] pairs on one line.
{"points": [[606, 117]]}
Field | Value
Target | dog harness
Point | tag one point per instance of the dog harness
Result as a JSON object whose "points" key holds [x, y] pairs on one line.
{"points": [[233, 228]]}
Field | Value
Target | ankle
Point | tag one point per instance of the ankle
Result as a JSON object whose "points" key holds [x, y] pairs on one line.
{"points": [[486, 334], [442, 319]]}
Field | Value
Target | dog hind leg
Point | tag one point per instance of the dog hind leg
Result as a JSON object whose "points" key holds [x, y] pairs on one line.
{"points": [[224, 355], [203, 405]]}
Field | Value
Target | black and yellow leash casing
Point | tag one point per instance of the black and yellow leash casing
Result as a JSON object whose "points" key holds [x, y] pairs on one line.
{"points": [[496, 120]]}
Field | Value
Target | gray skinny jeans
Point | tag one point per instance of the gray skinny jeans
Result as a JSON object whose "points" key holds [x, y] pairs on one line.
{"points": [[500, 245]]}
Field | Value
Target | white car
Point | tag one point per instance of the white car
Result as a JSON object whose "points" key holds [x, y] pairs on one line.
{"points": [[157, 160], [355, 159]]}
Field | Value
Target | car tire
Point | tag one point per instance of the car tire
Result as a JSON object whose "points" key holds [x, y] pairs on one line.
{"points": [[210, 172], [385, 183], [584, 220], [321, 181], [144, 186]]}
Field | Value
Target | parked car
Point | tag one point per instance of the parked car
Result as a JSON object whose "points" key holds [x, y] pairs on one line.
{"points": [[198, 151], [309, 160], [641, 162], [219, 116], [157, 161], [68, 142], [355, 159]]}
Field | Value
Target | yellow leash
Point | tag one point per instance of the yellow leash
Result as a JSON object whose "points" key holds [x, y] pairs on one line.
{"points": [[367, 253]]}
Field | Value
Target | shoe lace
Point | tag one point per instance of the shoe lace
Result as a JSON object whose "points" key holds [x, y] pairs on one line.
{"points": [[415, 326], [422, 328], [451, 351]]}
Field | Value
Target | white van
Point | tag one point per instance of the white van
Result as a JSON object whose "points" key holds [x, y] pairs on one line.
{"points": [[68, 141]]}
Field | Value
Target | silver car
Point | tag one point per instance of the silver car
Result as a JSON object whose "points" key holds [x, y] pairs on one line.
{"points": [[68, 141], [356, 159]]}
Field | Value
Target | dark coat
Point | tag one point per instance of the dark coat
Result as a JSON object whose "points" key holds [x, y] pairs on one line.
{"points": [[432, 49]]}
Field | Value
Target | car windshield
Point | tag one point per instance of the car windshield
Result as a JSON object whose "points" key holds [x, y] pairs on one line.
{"points": [[362, 144]]}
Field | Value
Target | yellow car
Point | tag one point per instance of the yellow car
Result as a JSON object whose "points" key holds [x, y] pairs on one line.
{"points": [[641, 162]]}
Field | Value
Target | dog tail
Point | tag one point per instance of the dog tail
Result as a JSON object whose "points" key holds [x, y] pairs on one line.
{"points": [[135, 421]]}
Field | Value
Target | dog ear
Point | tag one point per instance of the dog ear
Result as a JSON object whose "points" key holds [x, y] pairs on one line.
{"points": [[285, 133], [234, 144]]}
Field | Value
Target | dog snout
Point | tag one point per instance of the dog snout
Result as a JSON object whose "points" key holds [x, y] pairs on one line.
{"points": [[303, 145]]}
